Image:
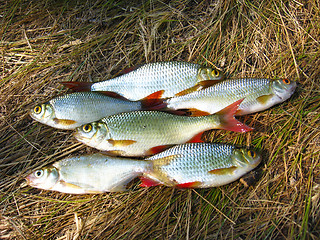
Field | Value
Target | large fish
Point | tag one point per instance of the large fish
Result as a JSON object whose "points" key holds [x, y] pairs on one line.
{"points": [[95, 173], [200, 165], [192, 165], [73, 110], [258, 94], [143, 133], [171, 77]]}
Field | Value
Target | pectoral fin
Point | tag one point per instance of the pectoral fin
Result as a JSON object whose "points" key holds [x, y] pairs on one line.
{"points": [[121, 143], [222, 171], [264, 98], [65, 122], [147, 182], [198, 86]]}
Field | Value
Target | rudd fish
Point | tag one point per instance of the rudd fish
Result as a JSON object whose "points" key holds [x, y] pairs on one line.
{"points": [[73, 110], [192, 165], [143, 133], [95, 173], [200, 165], [258, 94], [175, 78]]}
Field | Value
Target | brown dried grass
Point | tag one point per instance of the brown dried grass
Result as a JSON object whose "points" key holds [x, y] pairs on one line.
{"points": [[43, 43]]}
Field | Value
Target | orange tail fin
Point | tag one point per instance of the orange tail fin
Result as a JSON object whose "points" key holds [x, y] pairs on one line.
{"points": [[228, 121], [153, 102]]}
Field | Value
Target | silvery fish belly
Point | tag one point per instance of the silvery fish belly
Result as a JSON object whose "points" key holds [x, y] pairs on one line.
{"points": [[200, 165], [172, 77], [73, 110], [258, 95], [95, 173]]}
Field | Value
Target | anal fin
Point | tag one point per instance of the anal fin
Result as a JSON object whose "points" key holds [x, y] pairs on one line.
{"points": [[147, 182]]}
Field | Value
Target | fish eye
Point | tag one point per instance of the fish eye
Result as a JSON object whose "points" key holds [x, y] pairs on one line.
{"points": [[286, 81], [252, 154], [38, 173], [215, 73], [87, 128], [37, 109]]}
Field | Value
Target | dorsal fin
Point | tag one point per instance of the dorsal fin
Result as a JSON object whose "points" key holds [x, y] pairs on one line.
{"points": [[78, 86]]}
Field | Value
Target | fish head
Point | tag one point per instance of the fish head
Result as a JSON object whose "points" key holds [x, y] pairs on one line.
{"points": [[93, 134], [284, 88], [246, 158], [43, 113], [44, 178], [210, 74]]}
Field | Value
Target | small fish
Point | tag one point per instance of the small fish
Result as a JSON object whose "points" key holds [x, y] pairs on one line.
{"points": [[175, 78], [258, 95], [73, 110], [191, 165], [94, 173], [199, 165], [142, 133]]}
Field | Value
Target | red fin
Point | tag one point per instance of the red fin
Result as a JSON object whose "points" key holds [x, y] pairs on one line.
{"points": [[228, 122], [78, 86], [189, 185], [147, 182], [157, 149], [197, 113], [196, 138], [153, 101]]}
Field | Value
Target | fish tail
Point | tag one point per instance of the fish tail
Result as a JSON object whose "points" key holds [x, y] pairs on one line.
{"points": [[78, 86], [153, 102], [228, 121]]}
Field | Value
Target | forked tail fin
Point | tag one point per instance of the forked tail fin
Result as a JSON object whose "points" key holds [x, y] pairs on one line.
{"points": [[228, 121], [153, 102]]}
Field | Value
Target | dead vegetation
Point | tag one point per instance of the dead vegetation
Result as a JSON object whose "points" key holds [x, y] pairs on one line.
{"points": [[45, 42]]}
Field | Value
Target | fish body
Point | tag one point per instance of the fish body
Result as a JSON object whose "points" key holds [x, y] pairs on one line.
{"points": [[258, 95], [140, 133], [199, 165], [95, 173], [191, 165], [172, 77], [73, 110]]}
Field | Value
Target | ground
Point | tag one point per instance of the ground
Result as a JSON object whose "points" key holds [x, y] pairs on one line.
{"points": [[46, 42]]}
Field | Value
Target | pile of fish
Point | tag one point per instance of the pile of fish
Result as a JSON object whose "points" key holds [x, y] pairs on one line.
{"points": [[159, 112]]}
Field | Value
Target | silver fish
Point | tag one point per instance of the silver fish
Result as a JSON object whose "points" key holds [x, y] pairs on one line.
{"points": [[73, 110], [200, 165], [172, 77], [143, 133], [95, 173], [258, 94]]}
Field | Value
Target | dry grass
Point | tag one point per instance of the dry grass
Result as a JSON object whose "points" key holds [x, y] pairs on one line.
{"points": [[43, 43]]}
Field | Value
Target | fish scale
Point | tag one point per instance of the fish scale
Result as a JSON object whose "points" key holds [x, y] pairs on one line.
{"points": [[258, 94]]}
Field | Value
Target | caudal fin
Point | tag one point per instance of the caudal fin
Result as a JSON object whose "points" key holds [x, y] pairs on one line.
{"points": [[78, 86], [228, 121], [153, 102]]}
